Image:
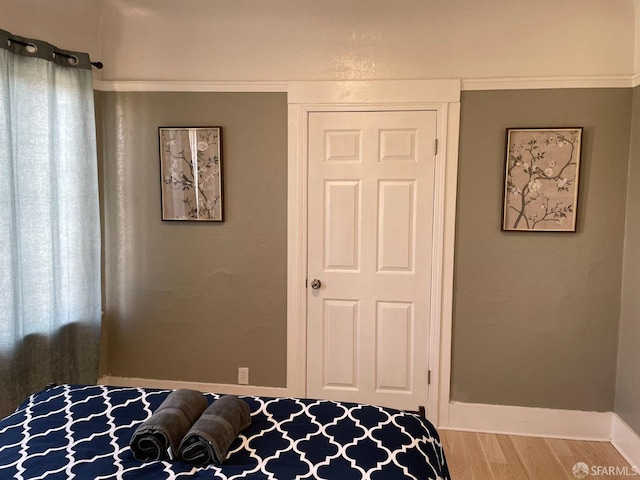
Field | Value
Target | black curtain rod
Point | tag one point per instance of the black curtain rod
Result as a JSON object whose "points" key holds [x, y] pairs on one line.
{"points": [[98, 65]]}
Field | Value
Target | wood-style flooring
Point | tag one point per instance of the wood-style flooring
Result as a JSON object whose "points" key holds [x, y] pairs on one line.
{"points": [[484, 456]]}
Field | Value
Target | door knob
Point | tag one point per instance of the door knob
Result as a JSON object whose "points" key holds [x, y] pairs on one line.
{"points": [[316, 284]]}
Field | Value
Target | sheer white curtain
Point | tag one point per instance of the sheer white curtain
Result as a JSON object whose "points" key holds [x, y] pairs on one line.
{"points": [[50, 296]]}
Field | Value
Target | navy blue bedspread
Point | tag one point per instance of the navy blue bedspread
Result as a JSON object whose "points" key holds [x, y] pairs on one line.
{"points": [[83, 432]]}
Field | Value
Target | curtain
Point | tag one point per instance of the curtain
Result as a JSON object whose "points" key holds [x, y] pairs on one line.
{"points": [[50, 292]]}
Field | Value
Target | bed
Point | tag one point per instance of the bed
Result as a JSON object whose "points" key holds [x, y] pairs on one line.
{"points": [[83, 432]]}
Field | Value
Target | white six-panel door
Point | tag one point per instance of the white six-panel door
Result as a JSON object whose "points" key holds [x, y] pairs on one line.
{"points": [[370, 215]]}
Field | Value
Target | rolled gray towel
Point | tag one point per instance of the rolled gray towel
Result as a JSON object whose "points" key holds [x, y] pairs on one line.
{"points": [[209, 439], [158, 437]]}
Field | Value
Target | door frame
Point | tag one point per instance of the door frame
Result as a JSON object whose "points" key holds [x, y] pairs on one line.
{"points": [[441, 96]]}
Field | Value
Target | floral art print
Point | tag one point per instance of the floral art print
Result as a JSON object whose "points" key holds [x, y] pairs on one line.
{"points": [[191, 168], [541, 179]]}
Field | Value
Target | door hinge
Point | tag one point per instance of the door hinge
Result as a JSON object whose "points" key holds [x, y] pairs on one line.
{"points": [[428, 377], [306, 283], [435, 147]]}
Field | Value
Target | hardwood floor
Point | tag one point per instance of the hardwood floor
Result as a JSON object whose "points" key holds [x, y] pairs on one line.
{"points": [[484, 456]]}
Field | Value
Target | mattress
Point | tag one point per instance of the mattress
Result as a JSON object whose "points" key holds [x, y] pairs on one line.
{"points": [[83, 432]]}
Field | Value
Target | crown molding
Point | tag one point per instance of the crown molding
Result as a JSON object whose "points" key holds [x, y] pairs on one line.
{"points": [[467, 84], [539, 83], [176, 86]]}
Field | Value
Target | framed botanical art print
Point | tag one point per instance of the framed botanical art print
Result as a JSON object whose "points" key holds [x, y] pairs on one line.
{"points": [[541, 179], [191, 173]]}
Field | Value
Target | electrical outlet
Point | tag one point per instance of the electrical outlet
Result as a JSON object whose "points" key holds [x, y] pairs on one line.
{"points": [[243, 375]]}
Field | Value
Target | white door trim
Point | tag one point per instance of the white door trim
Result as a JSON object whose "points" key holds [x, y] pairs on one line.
{"points": [[442, 96]]}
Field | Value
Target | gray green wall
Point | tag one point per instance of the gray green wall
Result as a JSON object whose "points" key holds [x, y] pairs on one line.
{"points": [[536, 315], [627, 403], [195, 301]]}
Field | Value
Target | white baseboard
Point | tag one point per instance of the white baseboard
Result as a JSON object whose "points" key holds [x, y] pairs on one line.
{"points": [[626, 441], [229, 389], [528, 421]]}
